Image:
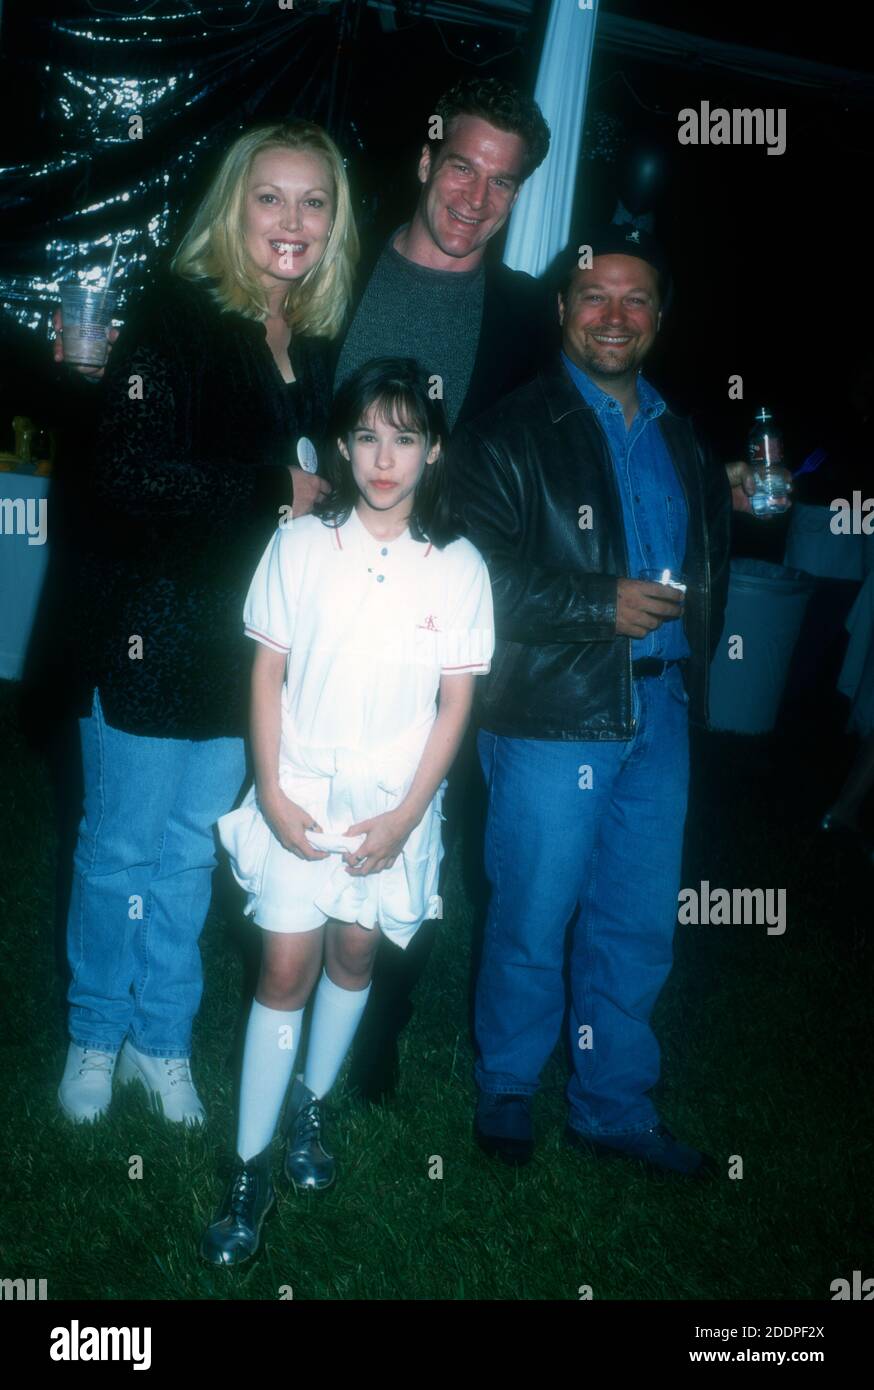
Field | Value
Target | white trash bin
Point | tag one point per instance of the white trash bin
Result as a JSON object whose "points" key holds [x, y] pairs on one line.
{"points": [[765, 608]]}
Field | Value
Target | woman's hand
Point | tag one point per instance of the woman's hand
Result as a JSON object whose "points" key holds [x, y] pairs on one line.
{"points": [[95, 373], [288, 821], [308, 488], [385, 835]]}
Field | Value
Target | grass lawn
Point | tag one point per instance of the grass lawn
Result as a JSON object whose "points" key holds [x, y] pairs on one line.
{"points": [[764, 1037]]}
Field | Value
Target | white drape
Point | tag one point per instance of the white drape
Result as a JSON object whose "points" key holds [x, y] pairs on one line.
{"points": [[541, 220]]}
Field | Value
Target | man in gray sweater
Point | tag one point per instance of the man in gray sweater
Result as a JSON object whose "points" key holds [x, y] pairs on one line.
{"points": [[483, 329], [433, 294]]}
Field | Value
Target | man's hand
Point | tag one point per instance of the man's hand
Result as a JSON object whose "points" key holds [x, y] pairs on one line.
{"points": [[386, 836], [743, 484], [641, 607], [95, 373], [308, 488], [288, 821]]}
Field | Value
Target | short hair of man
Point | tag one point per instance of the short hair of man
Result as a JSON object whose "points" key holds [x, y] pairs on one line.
{"points": [[504, 107]]}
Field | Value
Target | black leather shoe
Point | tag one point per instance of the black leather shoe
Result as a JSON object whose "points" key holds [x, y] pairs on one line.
{"points": [[308, 1165], [502, 1127], [656, 1147], [235, 1232]]}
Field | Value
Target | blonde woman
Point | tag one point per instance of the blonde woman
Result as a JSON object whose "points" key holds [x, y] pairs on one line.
{"points": [[214, 393]]}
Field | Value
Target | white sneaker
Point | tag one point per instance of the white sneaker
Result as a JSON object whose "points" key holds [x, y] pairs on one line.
{"points": [[86, 1086], [168, 1081]]}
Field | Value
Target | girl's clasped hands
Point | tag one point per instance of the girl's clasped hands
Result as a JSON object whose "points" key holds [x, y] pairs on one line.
{"points": [[384, 835]]}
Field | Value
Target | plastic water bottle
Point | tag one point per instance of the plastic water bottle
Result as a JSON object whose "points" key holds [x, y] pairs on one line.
{"points": [[765, 449]]}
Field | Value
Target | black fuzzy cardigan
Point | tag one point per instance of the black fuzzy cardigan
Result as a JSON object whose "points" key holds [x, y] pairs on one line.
{"points": [[183, 495]]}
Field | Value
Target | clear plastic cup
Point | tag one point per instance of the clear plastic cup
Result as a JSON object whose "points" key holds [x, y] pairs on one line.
{"points": [[87, 314]]}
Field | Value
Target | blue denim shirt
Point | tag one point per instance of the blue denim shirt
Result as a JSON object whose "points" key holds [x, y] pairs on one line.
{"points": [[653, 503]]}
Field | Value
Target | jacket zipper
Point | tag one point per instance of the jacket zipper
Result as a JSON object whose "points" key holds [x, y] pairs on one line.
{"points": [[617, 500], [706, 531], [679, 473]]}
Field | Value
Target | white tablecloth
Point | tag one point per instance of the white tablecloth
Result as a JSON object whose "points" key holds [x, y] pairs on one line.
{"points": [[23, 561], [812, 546], [857, 673]]}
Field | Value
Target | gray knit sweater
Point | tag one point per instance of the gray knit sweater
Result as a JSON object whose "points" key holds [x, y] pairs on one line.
{"points": [[408, 310]]}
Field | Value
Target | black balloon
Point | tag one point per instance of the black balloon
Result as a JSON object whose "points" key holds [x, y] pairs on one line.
{"points": [[643, 176]]}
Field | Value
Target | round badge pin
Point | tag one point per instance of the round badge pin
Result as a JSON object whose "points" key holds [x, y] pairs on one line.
{"points": [[306, 455]]}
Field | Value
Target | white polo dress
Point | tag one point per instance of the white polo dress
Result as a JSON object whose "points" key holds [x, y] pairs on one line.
{"points": [[369, 627]]}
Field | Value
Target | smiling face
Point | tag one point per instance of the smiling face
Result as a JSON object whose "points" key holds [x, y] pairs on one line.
{"points": [[289, 212], [469, 187], [610, 316], [387, 462]]}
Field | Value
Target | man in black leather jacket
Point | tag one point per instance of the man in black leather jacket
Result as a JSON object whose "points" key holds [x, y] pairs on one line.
{"points": [[572, 487]]}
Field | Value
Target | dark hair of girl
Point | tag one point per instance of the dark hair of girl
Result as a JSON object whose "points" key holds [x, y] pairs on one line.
{"points": [[399, 389]]}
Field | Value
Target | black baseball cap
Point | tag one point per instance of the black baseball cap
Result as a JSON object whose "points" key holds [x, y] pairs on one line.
{"points": [[615, 239]]}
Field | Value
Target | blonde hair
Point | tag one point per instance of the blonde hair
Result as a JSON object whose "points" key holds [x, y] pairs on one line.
{"points": [[214, 246]]}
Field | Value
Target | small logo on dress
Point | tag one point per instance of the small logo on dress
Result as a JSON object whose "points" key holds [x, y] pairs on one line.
{"points": [[430, 624], [633, 236]]}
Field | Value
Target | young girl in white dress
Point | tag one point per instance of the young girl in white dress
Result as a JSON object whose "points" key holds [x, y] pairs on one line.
{"points": [[363, 613]]}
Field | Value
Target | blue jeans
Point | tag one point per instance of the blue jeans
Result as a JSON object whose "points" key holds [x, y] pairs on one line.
{"points": [[609, 856], [142, 880]]}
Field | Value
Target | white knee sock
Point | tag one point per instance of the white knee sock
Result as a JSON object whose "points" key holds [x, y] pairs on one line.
{"points": [[336, 1015], [272, 1039]]}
